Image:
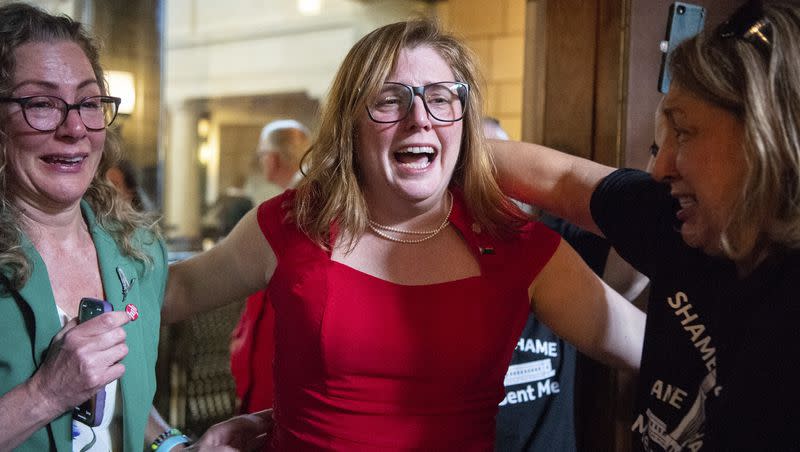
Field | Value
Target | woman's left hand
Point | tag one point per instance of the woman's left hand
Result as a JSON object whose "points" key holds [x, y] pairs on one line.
{"points": [[248, 432]]}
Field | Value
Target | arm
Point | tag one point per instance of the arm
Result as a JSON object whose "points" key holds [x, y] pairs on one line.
{"points": [[23, 411], [578, 306], [156, 425], [247, 432], [239, 265], [554, 181], [81, 360]]}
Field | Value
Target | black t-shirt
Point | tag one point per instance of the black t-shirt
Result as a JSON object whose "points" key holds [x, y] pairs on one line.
{"points": [[720, 362], [537, 413]]}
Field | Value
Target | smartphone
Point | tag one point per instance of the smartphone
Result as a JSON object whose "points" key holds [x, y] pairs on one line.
{"points": [[685, 20], [90, 412]]}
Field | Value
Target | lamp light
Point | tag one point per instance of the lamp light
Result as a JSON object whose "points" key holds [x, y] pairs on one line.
{"points": [[203, 127], [121, 84], [204, 150], [309, 7]]}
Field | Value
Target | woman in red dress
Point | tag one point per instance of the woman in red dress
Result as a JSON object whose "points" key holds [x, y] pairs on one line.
{"points": [[400, 274]]}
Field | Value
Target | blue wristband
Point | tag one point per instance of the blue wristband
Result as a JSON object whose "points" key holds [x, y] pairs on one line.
{"points": [[171, 442]]}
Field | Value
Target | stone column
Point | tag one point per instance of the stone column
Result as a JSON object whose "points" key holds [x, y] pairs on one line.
{"points": [[182, 188]]}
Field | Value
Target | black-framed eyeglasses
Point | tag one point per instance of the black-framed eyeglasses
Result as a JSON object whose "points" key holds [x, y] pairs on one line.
{"points": [[748, 23], [47, 113], [444, 101]]}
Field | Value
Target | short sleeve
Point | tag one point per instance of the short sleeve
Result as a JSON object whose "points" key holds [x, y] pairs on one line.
{"points": [[273, 220], [637, 216], [540, 245]]}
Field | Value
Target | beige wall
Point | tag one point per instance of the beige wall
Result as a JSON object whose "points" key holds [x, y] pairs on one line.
{"points": [[496, 33]]}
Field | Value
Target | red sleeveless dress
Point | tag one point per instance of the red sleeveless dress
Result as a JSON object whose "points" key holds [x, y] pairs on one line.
{"points": [[362, 364]]}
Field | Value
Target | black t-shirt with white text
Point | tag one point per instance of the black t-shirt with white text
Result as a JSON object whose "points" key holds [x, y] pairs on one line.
{"points": [[538, 413], [720, 362]]}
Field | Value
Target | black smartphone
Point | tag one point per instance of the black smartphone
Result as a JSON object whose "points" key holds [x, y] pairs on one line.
{"points": [[90, 412], [685, 20]]}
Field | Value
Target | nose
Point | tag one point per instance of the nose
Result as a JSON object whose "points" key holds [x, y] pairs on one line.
{"points": [[662, 165], [72, 125], [418, 117]]}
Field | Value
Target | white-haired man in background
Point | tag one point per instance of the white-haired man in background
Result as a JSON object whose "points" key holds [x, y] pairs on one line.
{"points": [[279, 151]]}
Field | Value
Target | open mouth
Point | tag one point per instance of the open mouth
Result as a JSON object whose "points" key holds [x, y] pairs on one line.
{"points": [[417, 157], [62, 160], [687, 205], [686, 201]]}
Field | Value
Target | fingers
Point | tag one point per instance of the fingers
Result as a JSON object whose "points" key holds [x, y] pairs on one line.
{"points": [[264, 414], [67, 326], [84, 357], [95, 378], [66, 380], [244, 433], [257, 443], [95, 363], [100, 333], [98, 345], [213, 448], [105, 322]]}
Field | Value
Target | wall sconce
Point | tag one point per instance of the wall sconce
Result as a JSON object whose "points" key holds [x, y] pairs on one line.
{"points": [[204, 150], [203, 127], [309, 7], [121, 84]]}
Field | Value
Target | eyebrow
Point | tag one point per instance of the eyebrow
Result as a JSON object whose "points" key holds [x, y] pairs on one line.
{"points": [[51, 85], [672, 112]]}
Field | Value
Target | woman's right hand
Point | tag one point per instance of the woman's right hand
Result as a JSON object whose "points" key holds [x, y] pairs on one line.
{"points": [[81, 360], [243, 433]]}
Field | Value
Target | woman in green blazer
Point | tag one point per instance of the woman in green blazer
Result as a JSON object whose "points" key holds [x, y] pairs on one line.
{"points": [[64, 235]]}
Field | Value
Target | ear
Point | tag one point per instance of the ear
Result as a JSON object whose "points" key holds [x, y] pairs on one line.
{"points": [[266, 157], [274, 159]]}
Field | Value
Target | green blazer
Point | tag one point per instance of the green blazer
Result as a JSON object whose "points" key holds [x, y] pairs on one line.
{"points": [[22, 350]]}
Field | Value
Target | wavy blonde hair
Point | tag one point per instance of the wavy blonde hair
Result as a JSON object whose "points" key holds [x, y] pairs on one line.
{"points": [[21, 24], [761, 86], [331, 194]]}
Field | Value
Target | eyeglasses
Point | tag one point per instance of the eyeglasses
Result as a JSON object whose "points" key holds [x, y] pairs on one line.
{"points": [[47, 113], [748, 23], [444, 101]]}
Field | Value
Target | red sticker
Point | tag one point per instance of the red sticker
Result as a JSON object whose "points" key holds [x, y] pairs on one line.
{"points": [[132, 312]]}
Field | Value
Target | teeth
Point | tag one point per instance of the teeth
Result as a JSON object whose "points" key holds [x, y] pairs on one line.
{"points": [[420, 165], [64, 160], [419, 150], [415, 157], [686, 201]]}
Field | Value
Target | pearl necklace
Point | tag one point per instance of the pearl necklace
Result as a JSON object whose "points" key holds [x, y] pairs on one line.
{"points": [[378, 229]]}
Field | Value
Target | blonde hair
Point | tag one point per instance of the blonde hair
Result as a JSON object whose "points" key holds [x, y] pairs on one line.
{"points": [[21, 24], [760, 84], [331, 191]]}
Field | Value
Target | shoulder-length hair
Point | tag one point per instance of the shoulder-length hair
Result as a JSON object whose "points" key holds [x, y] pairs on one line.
{"points": [[757, 80], [330, 194], [21, 24]]}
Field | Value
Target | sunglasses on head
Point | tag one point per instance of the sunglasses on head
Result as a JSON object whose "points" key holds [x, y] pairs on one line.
{"points": [[748, 23]]}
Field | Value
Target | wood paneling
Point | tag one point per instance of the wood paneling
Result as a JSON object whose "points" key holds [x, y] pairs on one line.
{"points": [[610, 81], [569, 91], [582, 49], [576, 61]]}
